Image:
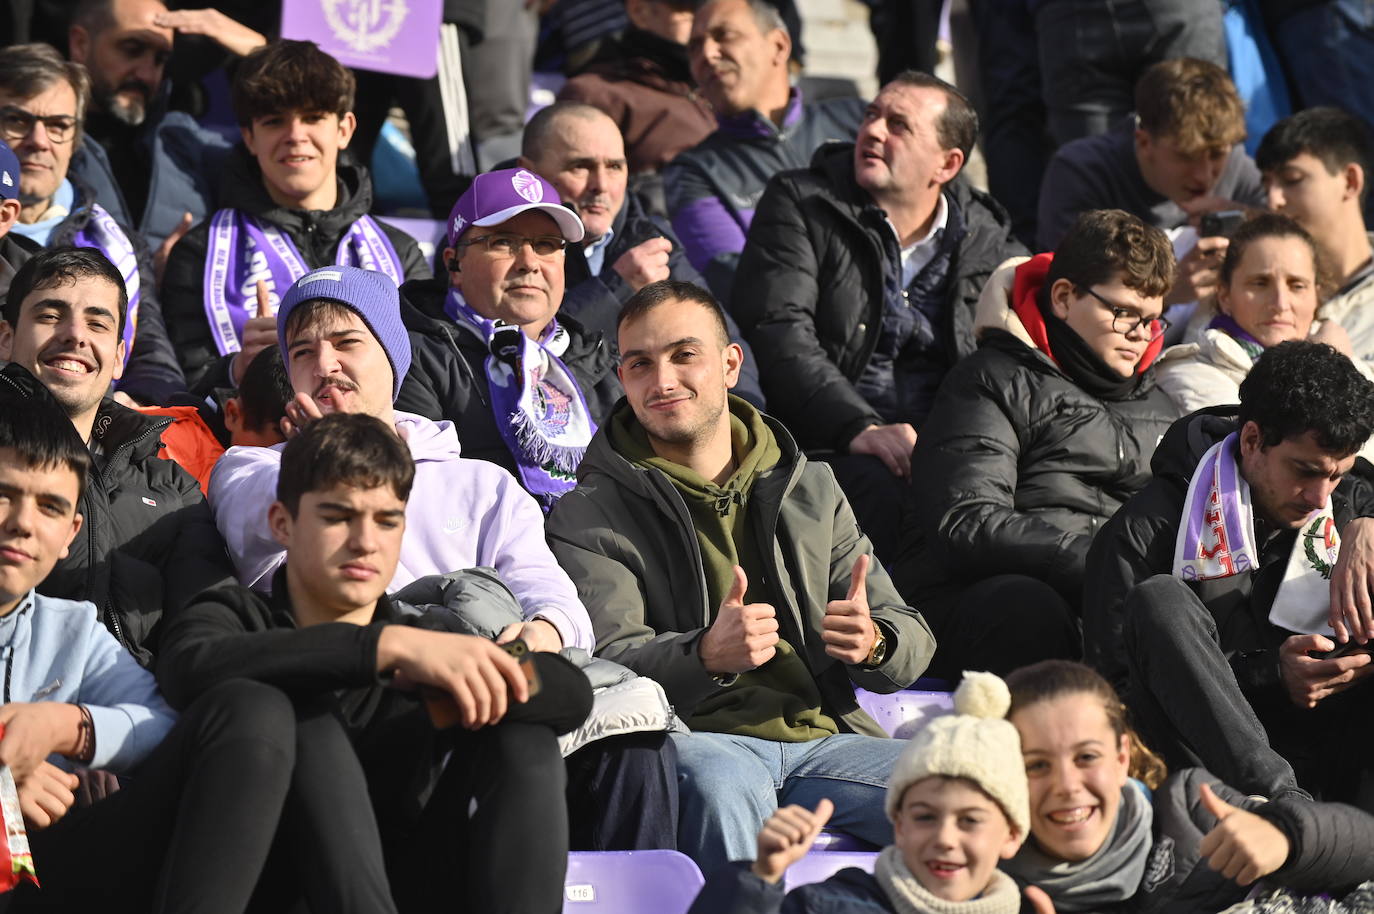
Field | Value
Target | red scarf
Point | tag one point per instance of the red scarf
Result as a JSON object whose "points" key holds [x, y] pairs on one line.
{"points": [[1025, 295]]}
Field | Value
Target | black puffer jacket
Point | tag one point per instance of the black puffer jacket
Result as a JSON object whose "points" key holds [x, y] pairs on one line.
{"points": [[448, 377], [1017, 466], [809, 291], [1138, 543], [148, 543], [316, 235]]}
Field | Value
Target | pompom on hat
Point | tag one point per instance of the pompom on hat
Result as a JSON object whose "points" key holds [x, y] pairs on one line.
{"points": [[976, 742]]}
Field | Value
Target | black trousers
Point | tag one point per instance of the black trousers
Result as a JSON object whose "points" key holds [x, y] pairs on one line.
{"points": [[998, 624], [1188, 706], [622, 794], [190, 830]]}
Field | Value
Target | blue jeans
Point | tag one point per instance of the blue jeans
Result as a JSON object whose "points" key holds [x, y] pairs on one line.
{"points": [[730, 784]]}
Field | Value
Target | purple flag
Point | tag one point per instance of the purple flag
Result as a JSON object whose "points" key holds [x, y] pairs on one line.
{"points": [[391, 36]]}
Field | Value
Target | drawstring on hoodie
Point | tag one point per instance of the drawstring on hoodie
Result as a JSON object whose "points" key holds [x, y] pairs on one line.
{"points": [[725, 500]]}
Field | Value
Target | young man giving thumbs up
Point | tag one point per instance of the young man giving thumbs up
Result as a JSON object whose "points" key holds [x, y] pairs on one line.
{"points": [[714, 558]]}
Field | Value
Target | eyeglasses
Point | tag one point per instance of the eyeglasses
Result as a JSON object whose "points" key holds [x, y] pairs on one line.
{"points": [[1127, 322], [505, 247], [16, 124]]}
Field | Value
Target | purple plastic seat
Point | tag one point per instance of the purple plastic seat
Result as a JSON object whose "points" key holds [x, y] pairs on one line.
{"points": [[630, 882], [831, 841], [820, 866], [903, 713]]}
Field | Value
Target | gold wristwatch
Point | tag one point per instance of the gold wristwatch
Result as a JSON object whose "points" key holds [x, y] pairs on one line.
{"points": [[878, 653]]}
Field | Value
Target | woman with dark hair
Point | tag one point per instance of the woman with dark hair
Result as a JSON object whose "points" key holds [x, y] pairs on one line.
{"points": [[1270, 287], [1111, 832]]}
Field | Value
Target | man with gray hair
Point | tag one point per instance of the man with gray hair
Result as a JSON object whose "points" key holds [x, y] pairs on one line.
{"points": [[739, 51], [43, 101]]}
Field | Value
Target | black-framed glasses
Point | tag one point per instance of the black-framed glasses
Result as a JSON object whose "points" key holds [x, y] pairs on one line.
{"points": [[16, 124], [505, 246], [1127, 322]]}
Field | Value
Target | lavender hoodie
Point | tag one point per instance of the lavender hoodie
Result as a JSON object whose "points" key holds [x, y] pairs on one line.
{"points": [[462, 513]]}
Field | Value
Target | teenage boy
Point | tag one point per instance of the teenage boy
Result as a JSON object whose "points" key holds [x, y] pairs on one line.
{"points": [[191, 827], [149, 544], [489, 826], [290, 204], [1316, 169]]}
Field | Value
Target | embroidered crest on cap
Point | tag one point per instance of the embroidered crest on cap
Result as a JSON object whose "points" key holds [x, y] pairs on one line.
{"points": [[458, 223], [5, 176], [527, 186]]}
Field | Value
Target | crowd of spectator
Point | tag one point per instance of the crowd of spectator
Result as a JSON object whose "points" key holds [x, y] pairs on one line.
{"points": [[346, 566]]}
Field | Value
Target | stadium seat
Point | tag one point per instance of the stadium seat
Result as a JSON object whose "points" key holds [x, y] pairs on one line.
{"points": [[820, 866], [630, 882], [902, 713]]}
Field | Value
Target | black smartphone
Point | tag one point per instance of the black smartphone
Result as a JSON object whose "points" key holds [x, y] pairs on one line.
{"points": [[1342, 650], [1221, 224]]}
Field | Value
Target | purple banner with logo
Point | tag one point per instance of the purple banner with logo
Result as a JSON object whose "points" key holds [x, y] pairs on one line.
{"points": [[391, 36]]}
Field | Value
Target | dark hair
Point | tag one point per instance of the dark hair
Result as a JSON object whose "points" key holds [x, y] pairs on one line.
{"points": [[285, 75], [95, 16], [672, 290], [1051, 679], [317, 311], [540, 127], [1267, 225], [957, 127], [265, 390], [1298, 387], [1103, 244], [344, 449], [28, 69], [765, 13], [59, 266], [42, 436], [1193, 102], [1334, 136]]}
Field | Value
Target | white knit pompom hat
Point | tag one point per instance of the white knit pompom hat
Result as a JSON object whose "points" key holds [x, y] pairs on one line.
{"points": [[976, 742]]}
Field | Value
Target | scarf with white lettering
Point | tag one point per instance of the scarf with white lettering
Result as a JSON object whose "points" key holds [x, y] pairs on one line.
{"points": [[243, 250]]}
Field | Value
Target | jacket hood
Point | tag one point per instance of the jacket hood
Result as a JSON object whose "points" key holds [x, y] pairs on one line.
{"points": [[427, 439], [242, 188], [602, 458], [1010, 302], [1185, 442]]}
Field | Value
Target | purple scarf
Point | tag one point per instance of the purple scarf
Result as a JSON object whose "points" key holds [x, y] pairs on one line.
{"points": [[538, 407], [243, 251], [1227, 325], [104, 234]]}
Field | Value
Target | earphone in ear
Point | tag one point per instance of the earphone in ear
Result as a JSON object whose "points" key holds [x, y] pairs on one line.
{"points": [[452, 264]]}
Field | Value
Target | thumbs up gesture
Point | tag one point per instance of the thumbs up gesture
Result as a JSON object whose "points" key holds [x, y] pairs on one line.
{"points": [[259, 332], [743, 636], [847, 629], [1242, 847], [1039, 900]]}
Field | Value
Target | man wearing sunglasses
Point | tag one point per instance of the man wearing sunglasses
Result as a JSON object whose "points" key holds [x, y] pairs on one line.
{"points": [[1033, 443], [525, 385], [43, 101]]}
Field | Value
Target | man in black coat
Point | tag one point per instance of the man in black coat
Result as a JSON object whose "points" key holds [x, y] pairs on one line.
{"points": [[1193, 621], [148, 543], [579, 150], [858, 285]]}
